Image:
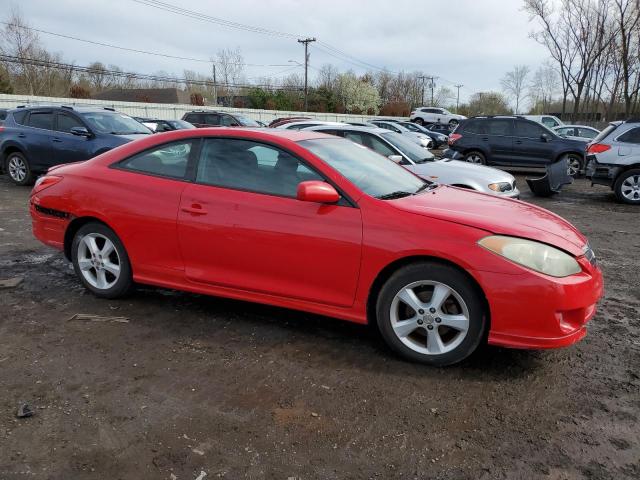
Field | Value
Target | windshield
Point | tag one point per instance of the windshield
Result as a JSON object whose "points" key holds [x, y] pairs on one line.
{"points": [[370, 172], [180, 124], [412, 150], [246, 121], [114, 123]]}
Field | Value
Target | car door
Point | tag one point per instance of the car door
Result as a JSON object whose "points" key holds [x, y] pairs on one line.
{"points": [[497, 137], [67, 147], [530, 149], [37, 139], [143, 195], [241, 226]]}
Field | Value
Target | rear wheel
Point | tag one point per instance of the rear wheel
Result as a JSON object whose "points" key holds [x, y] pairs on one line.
{"points": [[101, 262], [453, 124], [475, 157], [431, 313], [627, 187], [419, 121], [18, 168]]}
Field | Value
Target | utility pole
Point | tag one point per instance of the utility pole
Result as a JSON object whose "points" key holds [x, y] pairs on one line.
{"points": [[422, 98], [433, 84], [306, 42], [458, 96]]}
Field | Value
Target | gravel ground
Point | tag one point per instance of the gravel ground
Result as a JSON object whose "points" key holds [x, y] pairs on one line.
{"points": [[192, 384]]}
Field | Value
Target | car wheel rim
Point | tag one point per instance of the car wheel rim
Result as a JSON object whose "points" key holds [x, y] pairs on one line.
{"points": [[631, 188], [429, 317], [573, 166], [98, 261], [17, 169], [474, 159]]}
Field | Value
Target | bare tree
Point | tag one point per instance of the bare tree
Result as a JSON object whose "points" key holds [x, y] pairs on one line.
{"points": [[327, 76], [230, 65], [544, 85], [514, 84]]}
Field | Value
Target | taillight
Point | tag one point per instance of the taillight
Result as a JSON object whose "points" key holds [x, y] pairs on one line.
{"points": [[45, 182], [453, 137], [598, 148], [1, 128]]}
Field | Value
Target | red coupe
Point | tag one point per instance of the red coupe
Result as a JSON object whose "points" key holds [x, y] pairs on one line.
{"points": [[318, 223]]}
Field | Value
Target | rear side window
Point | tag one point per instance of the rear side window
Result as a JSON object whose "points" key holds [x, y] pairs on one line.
{"points": [[586, 133], [19, 117], [168, 160], [212, 119], [42, 120], [529, 129], [499, 126], [472, 126], [632, 136], [194, 118]]}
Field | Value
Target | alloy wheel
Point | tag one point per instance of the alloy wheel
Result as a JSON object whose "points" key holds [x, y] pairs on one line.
{"points": [[573, 166], [99, 261], [474, 158], [631, 188], [429, 317], [17, 169]]}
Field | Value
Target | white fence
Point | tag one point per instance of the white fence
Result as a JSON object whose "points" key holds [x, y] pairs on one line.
{"points": [[170, 111]]}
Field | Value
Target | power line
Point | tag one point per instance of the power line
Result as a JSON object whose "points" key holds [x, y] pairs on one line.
{"points": [[146, 52], [137, 76], [326, 47]]}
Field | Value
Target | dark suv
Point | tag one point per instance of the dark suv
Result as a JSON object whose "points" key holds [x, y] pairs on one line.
{"points": [[514, 141], [33, 139], [204, 118]]}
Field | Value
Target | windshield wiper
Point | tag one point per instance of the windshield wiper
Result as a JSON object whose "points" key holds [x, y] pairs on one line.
{"points": [[394, 195]]}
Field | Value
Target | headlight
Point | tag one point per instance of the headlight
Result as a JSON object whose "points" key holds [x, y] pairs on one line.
{"points": [[534, 255], [500, 186]]}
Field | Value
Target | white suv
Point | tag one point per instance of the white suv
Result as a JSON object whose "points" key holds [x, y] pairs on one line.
{"points": [[427, 115]]}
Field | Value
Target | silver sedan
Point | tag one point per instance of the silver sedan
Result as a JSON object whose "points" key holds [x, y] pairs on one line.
{"points": [[422, 162]]}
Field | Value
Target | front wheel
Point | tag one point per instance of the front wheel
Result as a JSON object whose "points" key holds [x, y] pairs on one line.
{"points": [[575, 165], [19, 170], [431, 313], [419, 121], [101, 262], [627, 187], [453, 124]]}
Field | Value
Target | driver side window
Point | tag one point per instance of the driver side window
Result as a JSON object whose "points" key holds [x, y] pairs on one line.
{"points": [[251, 166]]}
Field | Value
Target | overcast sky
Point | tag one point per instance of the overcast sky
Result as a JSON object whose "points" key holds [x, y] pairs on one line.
{"points": [[471, 42]]}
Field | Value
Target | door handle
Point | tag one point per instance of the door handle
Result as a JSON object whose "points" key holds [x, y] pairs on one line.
{"points": [[194, 209], [518, 142], [485, 139], [21, 135], [57, 140]]}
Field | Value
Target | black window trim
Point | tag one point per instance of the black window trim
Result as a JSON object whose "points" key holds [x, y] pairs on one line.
{"points": [[525, 120], [617, 139], [189, 176], [348, 201], [43, 110], [68, 114]]}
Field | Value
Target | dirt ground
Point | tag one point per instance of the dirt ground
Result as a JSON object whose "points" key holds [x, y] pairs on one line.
{"points": [[194, 385]]}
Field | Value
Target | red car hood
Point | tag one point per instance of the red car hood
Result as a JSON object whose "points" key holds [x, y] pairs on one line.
{"points": [[496, 215]]}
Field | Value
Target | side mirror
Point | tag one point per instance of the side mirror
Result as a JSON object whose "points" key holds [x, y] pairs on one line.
{"points": [[395, 158], [318, 192], [544, 137], [80, 131]]}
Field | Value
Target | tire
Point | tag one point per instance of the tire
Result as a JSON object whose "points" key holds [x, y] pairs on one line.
{"points": [[90, 257], [453, 124], [18, 168], [475, 157], [425, 337], [419, 121], [627, 187], [575, 164]]}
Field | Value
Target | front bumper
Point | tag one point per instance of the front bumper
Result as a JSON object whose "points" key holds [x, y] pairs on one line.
{"points": [[601, 173], [535, 311]]}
